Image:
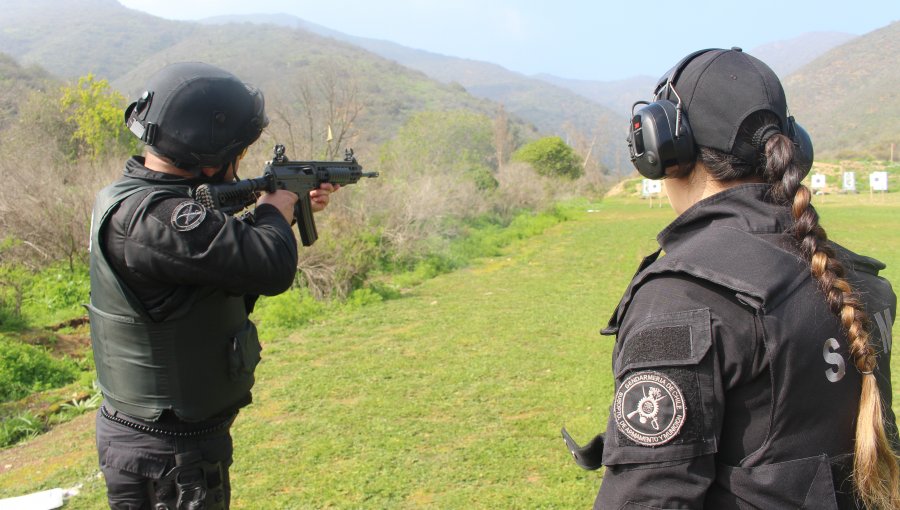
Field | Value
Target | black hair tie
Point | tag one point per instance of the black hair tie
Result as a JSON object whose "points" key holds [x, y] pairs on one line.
{"points": [[762, 135]]}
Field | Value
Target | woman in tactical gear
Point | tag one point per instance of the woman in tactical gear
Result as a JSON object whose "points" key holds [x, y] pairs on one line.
{"points": [[172, 286], [752, 360]]}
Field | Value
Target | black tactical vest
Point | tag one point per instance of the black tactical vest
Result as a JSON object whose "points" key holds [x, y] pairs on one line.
{"points": [[806, 458], [198, 362]]}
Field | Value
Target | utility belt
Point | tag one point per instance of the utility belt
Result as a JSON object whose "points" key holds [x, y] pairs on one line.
{"points": [[194, 483], [167, 425]]}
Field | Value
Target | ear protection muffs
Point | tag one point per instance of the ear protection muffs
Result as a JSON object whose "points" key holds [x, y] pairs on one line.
{"points": [[660, 136], [803, 147]]}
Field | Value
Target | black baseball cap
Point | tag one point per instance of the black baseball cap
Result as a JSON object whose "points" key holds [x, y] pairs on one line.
{"points": [[719, 89]]}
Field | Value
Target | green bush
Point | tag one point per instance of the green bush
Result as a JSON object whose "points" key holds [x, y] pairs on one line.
{"points": [[482, 177], [362, 297], [288, 310], [550, 157], [56, 294], [25, 369], [42, 298], [13, 281]]}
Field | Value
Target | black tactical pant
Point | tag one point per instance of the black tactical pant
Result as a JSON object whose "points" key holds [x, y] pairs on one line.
{"points": [[148, 471]]}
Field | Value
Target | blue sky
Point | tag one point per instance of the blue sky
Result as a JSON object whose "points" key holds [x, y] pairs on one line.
{"points": [[591, 39]]}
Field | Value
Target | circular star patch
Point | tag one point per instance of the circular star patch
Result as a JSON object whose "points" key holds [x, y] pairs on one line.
{"points": [[188, 215], [649, 408]]}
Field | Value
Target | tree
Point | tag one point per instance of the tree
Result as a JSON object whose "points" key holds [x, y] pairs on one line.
{"points": [[551, 157], [445, 143], [96, 111], [329, 103]]}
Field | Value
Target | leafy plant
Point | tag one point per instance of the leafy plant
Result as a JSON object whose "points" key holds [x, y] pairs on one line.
{"points": [[25, 369], [447, 143], [87, 404], [550, 156], [19, 428], [288, 310], [96, 111], [57, 293]]}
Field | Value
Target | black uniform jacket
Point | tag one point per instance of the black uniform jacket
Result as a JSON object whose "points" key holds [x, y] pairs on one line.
{"points": [[163, 262], [734, 384]]}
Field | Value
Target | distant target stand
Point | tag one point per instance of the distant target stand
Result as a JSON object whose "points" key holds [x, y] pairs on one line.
{"points": [[651, 189], [818, 184], [878, 181], [848, 183]]}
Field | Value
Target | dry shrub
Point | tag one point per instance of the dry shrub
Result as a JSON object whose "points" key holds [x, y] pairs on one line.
{"points": [[594, 183], [46, 207], [420, 208], [347, 249], [382, 221], [520, 187]]}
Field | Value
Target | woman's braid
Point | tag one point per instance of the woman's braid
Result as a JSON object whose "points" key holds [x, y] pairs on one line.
{"points": [[876, 475]]}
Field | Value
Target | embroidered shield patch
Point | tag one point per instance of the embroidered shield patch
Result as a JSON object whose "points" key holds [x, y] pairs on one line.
{"points": [[649, 408], [188, 215]]}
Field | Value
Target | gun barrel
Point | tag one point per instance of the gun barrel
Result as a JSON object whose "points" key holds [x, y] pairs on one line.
{"points": [[342, 175]]}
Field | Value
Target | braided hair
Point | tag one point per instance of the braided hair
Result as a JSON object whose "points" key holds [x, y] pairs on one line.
{"points": [[876, 475]]}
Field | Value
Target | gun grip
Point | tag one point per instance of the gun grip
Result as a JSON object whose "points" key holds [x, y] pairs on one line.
{"points": [[590, 456], [306, 225]]}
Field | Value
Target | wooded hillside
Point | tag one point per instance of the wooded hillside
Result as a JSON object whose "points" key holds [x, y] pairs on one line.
{"points": [[848, 98]]}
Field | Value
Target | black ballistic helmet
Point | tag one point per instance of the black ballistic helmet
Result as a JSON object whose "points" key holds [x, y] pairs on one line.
{"points": [[197, 115]]}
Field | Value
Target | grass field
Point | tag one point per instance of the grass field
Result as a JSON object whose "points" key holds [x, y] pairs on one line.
{"points": [[452, 395]]}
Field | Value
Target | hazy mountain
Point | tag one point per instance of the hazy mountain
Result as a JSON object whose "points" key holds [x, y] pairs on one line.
{"points": [[282, 62], [617, 95], [551, 108], [848, 98], [785, 57], [76, 37], [16, 83], [126, 46]]}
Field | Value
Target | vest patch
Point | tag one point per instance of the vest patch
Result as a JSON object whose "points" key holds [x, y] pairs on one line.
{"points": [[188, 215], [649, 408]]}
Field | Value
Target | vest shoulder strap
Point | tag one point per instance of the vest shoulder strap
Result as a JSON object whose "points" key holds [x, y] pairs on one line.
{"points": [[758, 272]]}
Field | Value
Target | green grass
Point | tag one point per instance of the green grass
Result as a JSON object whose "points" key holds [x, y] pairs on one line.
{"points": [[48, 297], [452, 394]]}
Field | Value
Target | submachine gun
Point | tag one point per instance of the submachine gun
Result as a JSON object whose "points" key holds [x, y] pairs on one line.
{"points": [[299, 177]]}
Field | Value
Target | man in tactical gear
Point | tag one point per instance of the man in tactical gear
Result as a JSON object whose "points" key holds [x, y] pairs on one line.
{"points": [[172, 285]]}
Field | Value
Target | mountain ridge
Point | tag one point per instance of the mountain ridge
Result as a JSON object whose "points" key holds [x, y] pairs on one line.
{"points": [[847, 98]]}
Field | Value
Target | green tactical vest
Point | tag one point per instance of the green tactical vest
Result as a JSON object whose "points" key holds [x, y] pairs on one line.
{"points": [[198, 362]]}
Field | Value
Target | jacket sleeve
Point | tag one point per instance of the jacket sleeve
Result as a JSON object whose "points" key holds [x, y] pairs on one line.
{"points": [[175, 240], [671, 377], [677, 484]]}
